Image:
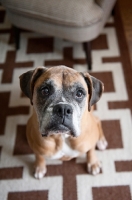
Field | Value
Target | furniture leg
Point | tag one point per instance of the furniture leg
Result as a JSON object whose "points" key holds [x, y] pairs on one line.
{"points": [[87, 49], [17, 36]]}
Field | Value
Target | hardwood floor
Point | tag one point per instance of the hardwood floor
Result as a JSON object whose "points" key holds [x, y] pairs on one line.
{"points": [[126, 14]]}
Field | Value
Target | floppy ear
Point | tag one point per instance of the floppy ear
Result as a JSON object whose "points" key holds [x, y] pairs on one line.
{"points": [[95, 88], [27, 81]]}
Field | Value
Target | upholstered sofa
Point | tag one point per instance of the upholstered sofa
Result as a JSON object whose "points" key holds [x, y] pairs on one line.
{"points": [[74, 20]]}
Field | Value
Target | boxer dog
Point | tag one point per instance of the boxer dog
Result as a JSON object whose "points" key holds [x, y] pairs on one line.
{"points": [[62, 125]]}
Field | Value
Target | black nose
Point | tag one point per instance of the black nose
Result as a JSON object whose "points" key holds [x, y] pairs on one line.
{"points": [[63, 110]]}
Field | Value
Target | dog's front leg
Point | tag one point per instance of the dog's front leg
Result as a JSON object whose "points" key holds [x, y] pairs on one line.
{"points": [[40, 167], [93, 165]]}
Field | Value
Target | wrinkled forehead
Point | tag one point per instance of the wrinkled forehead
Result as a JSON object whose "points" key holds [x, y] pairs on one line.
{"points": [[61, 77]]}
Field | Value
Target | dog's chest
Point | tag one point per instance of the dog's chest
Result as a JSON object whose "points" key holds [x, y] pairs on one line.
{"points": [[66, 150]]}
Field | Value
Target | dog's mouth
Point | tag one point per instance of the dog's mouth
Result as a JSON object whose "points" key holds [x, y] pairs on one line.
{"points": [[58, 129]]}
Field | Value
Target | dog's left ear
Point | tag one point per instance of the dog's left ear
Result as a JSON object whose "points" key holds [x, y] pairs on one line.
{"points": [[95, 89], [27, 81]]}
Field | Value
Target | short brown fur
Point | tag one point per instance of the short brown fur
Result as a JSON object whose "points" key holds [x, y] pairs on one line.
{"points": [[91, 130]]}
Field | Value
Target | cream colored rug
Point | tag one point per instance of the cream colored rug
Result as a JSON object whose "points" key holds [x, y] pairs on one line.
{"points": [[66, 180]]}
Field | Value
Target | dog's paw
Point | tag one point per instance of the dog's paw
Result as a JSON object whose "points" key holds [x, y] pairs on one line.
{"points": [[40, 172], [102, 144], [94, 169]]}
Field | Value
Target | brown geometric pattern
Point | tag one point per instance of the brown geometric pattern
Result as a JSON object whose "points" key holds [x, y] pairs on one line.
{"points": [[21, 146], [11, 173], [112, 193], [123, 166], [40, 45], [9, 111], [67, 180], [9, 66], [33, 195], [112, 131]]}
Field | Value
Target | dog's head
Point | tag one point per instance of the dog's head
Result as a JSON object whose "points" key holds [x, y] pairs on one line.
{"points": [[60, 96]]}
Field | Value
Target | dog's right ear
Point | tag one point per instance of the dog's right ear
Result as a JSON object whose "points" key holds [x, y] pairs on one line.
{"points": [[95, 88], [27, 81]]}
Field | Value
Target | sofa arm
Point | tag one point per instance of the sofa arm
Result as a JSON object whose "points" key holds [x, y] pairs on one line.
{"points": [[106, 4]]}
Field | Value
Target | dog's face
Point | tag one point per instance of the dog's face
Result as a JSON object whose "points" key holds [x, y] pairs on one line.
{"points": [[60, 97]]}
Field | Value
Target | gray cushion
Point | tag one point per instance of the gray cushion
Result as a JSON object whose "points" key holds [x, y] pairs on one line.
{"points": [[71, 13]]}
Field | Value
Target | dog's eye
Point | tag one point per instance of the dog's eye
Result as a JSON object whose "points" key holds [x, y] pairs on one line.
{"points": [[45, 91], [79, 93]]}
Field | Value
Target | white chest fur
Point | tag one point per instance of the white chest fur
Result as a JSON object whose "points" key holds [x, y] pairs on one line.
{"points": [[66, 150]]}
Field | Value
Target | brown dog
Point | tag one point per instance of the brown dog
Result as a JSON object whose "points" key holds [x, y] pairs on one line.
{"points": [[62, 125]]}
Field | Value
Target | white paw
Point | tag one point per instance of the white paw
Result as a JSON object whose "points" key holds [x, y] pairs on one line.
{"points": [[94, 169], [40, 172], [102, 144]]}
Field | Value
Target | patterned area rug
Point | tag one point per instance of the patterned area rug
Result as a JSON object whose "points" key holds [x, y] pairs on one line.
{"points": [[66, 180]]}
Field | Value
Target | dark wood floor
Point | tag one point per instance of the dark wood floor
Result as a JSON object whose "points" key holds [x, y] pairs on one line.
{"points": [[126, 14]]}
